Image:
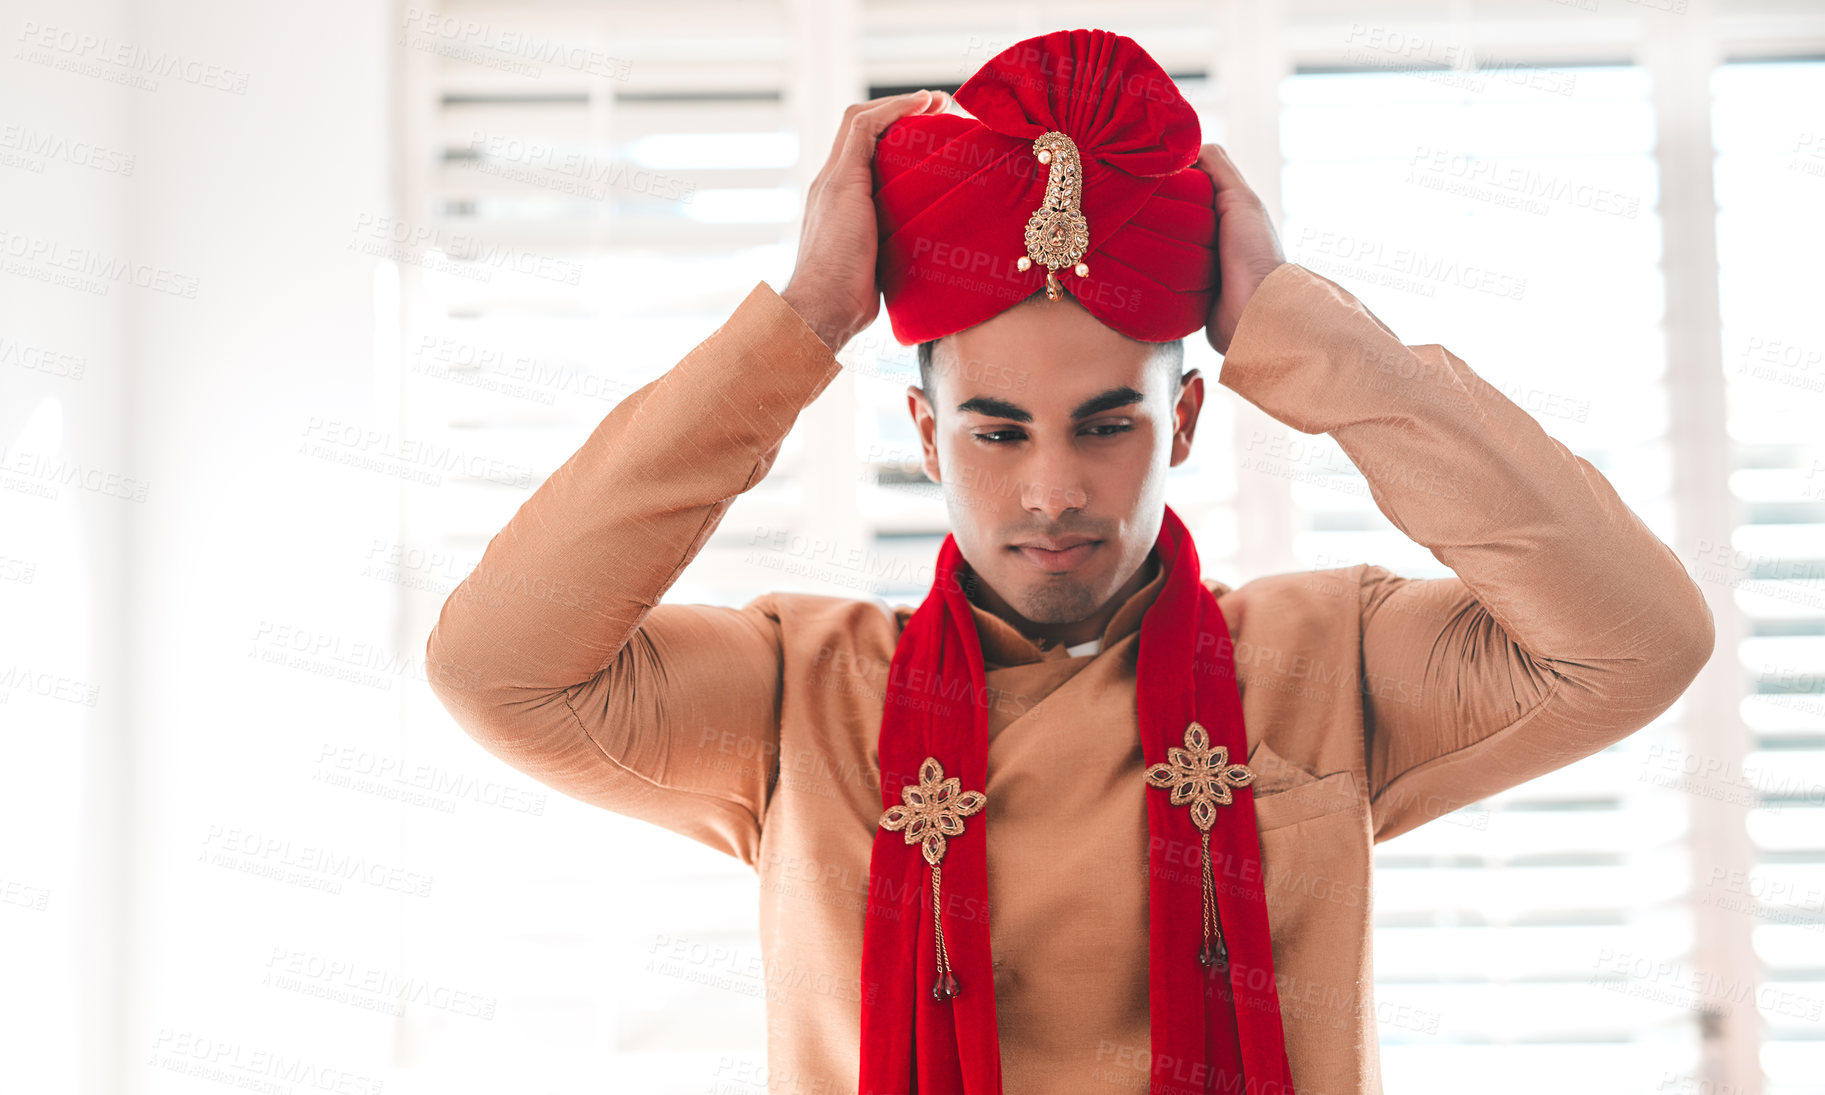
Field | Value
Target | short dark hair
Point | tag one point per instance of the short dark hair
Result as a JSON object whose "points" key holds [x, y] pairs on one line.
{"points": [[1173, 351]]}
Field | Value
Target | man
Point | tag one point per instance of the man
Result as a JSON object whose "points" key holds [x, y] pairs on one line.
{"points": [[1086, 820]]}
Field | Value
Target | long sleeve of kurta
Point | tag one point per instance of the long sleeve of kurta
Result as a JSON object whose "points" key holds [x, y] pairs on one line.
{"points": [[1372, 702], [1569, 625], [555, 653]]}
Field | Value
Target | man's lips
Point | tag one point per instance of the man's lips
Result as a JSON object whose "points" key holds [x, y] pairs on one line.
{"points": [[1054, 561]]}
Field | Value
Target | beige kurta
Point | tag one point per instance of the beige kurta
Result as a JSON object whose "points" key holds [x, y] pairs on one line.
{"points": [[1373, 703]]}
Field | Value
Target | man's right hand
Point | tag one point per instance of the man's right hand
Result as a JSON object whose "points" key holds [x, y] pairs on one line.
{"points": [[832, 287]]}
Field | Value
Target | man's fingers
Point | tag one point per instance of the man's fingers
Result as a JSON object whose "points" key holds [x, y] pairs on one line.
{"points": [[864, 123], [1221, 168]]}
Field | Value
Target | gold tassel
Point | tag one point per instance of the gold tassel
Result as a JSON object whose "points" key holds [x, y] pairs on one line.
{"points": [[944, 986], [1202, 776], [932, 810]]}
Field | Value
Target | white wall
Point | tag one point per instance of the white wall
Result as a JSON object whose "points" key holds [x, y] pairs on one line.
{"points": [[64, 382], [249, 194]]}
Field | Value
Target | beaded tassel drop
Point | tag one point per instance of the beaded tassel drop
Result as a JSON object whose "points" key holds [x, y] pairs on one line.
{"points": [[931, 811], [1201, 776]]}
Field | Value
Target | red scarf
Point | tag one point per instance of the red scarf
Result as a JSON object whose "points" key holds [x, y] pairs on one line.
{"points": [[1201, 1041]]}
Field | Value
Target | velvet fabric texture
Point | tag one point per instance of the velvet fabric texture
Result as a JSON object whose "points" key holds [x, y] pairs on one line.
{"points": [[1211, 1028], [953, 194]]}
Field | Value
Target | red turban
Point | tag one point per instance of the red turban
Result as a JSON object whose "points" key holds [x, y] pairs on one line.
{"points": [[953, 195]]}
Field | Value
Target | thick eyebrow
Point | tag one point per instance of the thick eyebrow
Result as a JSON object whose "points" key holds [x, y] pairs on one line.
{"points": [[1121, 396]]}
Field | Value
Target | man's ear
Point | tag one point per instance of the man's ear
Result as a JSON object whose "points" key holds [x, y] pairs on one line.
{"points": [[1185, 415], [926, 422]]}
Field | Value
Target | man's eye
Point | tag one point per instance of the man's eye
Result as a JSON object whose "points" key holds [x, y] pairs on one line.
{"points": [[1004, 437]]}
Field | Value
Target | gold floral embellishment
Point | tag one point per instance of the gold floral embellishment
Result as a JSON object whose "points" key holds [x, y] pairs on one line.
{"points": [[933, 810]]}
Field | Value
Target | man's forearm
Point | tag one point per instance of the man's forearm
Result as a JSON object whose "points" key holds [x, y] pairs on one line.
{"points": [[812, 306], [1568, 626], [1537, 532], [559, 590]]}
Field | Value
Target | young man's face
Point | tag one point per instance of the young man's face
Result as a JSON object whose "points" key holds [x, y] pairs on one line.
{"points": [[1052, 429]]}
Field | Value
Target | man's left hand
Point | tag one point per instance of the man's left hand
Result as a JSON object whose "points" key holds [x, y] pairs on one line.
{"points": [[1247, 247]]}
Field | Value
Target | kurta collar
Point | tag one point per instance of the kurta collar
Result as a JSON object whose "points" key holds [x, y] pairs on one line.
{"points": [[1003, 645]]}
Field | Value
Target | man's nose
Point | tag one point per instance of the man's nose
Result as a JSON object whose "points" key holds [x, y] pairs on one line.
{"points": [[1053, 485]]}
